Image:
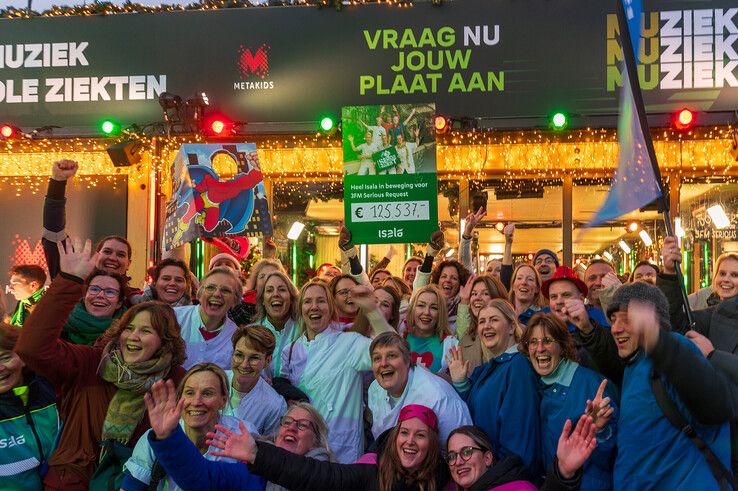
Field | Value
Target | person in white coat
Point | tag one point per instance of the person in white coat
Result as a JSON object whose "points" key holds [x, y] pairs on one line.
{"points": [[327, 365], [276, 309], [206, 328], [398, 383], [251, 397]]}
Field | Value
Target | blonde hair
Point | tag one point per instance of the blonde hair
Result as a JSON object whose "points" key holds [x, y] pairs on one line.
{"points": [[442, 327], [301, 298], [538, 299], [718, 262], [508, 312]]}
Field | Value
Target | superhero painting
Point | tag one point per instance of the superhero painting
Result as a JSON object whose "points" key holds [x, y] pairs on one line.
{"points": [[217, 191]]}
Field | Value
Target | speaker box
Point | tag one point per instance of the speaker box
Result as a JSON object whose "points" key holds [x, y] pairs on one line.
{"points": [[126, 153]]}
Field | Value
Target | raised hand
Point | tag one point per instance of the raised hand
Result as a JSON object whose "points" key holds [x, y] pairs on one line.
{"points": [[671, 254], [61, 170], [164, 411], [270, 248], [643, 324], [391, 252], [458, 368], [611, 279], [75, 259], [363, 296], [704, 344], [437, 241], [344, 239], [577, 314], [599, 408], [239, 446], [576, 446], [472, 220], [508, 232], [465, 292]]}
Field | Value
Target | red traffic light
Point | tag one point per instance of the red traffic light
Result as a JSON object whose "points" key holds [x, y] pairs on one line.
{"points": [[441, 123], [683, 119], [7, 131], [218, 125]]}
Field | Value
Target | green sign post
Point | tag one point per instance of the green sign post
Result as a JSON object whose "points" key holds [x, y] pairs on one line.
{"points": [[390, 182]]}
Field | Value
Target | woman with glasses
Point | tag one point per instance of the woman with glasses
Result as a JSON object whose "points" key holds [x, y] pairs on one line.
{"points": [[101, 304], [346, 309], [474, 467], [201, 396], [502, 394], [408, 458], [567, 391], [206, 328], [251, 397], [101, 387]]}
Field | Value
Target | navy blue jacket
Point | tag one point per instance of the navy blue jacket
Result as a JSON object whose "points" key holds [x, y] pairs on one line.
{"points": [[502, 396]]}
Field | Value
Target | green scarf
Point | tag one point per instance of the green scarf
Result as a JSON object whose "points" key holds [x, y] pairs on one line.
{"points": [[126, 409], [24, 307], [84, 328]]}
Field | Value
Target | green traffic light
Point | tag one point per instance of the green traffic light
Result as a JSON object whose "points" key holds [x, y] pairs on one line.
{"points": [[559, 120], [326, 124], [107, 127]]}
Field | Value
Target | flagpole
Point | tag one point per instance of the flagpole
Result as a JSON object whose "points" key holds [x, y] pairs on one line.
{"points": [[630, 63]]}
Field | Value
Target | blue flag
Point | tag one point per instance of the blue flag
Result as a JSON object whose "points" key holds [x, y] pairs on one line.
{"points": [[634, 184]]}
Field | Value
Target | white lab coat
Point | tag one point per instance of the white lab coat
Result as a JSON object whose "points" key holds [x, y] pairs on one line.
{"points": [[329, 370], [217, 350], [262, 406], [425, 389]]}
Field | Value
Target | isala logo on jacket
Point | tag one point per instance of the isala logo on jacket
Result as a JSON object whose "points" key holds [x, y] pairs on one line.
{"points": [[12, 441]]}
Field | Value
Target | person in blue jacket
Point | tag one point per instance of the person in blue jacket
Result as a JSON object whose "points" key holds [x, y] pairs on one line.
{"points": [[502, 394], [652, 452], [29, 421], [566, 390]]}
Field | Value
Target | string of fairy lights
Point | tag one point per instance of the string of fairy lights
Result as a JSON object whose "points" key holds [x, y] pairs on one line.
{"points": [[98, 8], [538, 156]]}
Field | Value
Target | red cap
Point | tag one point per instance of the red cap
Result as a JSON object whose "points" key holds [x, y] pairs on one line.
{"points": [[564, 273], [424, 414]]}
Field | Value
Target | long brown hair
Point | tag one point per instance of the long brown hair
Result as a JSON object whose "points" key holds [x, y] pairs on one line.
{"points": [[164, 323], [538, 300], [390, 468]]}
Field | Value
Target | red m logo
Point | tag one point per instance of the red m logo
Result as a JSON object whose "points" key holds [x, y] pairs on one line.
{"points": [[254, 63]]}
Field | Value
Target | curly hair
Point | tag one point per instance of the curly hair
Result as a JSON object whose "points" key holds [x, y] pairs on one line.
{"points": [[164, 323], [551, 326], [453, 263]]}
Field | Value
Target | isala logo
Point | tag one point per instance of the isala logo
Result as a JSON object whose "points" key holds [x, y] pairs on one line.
{"points": [[12, 441], [253, 64]]}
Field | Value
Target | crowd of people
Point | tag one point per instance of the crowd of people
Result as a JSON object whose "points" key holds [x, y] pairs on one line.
{"points": [[518, 377]]}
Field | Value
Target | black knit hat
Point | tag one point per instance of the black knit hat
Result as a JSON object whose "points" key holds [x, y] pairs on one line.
{"points": [[645, 293]]}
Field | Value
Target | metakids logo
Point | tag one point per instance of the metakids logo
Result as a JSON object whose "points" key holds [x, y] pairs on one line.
{"points": [[680, 49], [253, 64]]}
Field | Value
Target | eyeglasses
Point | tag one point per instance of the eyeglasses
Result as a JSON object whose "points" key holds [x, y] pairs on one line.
{"points": [[108, 292], [252, 360], [545, 342], [465, 454], [302, 424], [210, 289]]}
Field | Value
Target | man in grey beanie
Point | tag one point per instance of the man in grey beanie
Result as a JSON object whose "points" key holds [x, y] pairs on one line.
{"points": [[640, 346]]}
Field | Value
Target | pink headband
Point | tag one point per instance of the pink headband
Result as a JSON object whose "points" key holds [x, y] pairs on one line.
{"points": [[424, 414]]}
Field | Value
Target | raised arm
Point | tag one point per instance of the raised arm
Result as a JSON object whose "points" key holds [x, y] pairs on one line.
{"points": [[54, 214], [39, 345], [472, 220], [506, 270], [422, 277]]}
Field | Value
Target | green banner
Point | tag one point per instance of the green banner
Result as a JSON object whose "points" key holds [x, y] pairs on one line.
{"points": [[390, 183]]}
